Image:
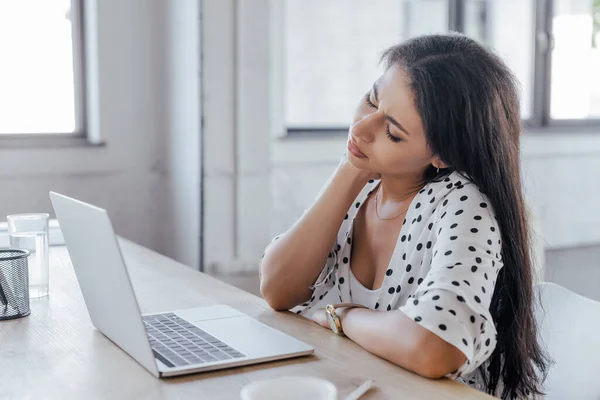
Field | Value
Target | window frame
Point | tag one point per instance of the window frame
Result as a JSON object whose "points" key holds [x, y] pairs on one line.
{"points": [[63, 139], [544, 44], [539, 121]]}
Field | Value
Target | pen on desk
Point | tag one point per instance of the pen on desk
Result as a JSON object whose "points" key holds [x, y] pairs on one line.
{"points": [[6, 295], [359, 391], [3, 298]]}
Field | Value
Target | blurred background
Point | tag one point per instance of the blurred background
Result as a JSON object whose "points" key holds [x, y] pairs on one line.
{"points": [[206, 127]]}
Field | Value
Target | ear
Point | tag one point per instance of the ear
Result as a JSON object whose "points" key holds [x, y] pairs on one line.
{"points": [[437, 163]]}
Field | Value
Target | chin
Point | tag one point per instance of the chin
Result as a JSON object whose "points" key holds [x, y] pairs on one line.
{"points": [[360, 163]]}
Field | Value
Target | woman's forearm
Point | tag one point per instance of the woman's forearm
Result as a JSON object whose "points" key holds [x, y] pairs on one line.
{"points": [[293, 262], [397, 338]]}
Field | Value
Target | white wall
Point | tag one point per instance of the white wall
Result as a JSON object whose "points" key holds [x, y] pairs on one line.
{"points": [[237, 133], [218, 43], [179, 228], [252, 131], [561, 179], [128, 101]]}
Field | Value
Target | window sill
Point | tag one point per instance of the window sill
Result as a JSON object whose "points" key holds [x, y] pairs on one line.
{"points": [[328, 147], [27, 141]]}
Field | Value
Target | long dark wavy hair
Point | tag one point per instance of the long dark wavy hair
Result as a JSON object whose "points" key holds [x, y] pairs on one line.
{"points": [[468, 101]]}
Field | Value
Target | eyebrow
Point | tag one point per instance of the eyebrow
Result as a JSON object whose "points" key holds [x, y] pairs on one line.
{"points": [[389, 118]]}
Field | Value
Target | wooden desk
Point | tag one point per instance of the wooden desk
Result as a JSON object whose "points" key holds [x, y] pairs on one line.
{"points": [[56, 353]]}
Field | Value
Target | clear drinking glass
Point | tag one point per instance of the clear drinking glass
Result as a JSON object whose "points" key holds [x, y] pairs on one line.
{"points": [[30, 232]]}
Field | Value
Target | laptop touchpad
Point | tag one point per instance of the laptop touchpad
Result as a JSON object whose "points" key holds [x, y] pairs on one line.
{"points": [[208, 313]]}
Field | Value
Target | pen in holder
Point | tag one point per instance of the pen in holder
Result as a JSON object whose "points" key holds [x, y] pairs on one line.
{"points": [[14, 284]]}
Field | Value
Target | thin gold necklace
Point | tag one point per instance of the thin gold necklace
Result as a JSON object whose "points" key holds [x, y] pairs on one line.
{"points": [[377, 211]]}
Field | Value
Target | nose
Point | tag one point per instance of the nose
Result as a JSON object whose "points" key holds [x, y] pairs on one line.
{"points": [[366, 127]]}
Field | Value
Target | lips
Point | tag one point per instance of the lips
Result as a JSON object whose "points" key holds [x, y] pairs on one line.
{"points": [[354, 150]]}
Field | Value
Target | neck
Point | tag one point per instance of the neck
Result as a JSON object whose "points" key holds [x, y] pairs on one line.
{"points": [[396, 190]]}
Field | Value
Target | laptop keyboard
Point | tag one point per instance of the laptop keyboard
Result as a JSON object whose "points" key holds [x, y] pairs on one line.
{"points": [[177, 343]]}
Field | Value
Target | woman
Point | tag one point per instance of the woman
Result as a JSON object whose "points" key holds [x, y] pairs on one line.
{"points": [[424, 220]]}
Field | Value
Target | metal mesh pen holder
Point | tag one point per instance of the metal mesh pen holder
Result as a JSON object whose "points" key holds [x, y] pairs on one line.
{"points": [[14, 284]]}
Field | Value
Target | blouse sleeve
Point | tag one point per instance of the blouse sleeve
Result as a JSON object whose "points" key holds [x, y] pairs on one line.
{"points": [[454, 298]]}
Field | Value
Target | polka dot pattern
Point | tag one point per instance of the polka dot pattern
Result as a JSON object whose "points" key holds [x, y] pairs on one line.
{"points": [[442, 272], [458, 280]]}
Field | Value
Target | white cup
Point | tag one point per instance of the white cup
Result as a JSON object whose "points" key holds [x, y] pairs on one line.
{"points": [[290, 388]]}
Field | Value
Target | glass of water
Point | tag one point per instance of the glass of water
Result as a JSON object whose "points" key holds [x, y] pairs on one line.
{"points": [[30, 232]]}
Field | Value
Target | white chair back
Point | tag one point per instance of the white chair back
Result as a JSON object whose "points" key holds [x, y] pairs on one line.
{"points": [[570, 330]]}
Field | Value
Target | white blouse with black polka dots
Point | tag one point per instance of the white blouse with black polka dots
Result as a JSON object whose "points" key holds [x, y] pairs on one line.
{"points": [[442, 272]]}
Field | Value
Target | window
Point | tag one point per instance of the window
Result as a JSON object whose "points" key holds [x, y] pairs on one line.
{"points": [[508, 27], [331, 49], [41, 68], [575, 60]]}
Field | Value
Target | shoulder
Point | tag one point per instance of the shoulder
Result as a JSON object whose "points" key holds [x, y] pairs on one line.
{"points": [[457, 190], [465, 214], [465, 197], [451, 200]]}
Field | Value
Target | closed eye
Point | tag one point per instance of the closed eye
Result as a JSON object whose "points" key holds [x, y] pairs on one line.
{"points": [[368, 100], [393, 138]]}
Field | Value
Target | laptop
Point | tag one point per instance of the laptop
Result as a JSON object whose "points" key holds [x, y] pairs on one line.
{"points": [[166, 344]]}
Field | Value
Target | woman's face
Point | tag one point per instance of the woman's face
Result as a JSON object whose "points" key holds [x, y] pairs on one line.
{"points": [[387, 135]]}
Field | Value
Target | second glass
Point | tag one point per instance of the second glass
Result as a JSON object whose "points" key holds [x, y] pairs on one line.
{"points": [[30, 232]]}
